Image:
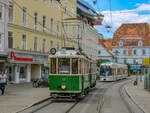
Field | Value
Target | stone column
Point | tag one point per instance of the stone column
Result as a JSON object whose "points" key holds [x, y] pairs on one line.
{"points": [[17, 72], [28, 73]]}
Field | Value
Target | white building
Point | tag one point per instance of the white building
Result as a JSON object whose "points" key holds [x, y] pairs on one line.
{"points": [[4, 7], [131, 43], [87, 34], [104, 54]]}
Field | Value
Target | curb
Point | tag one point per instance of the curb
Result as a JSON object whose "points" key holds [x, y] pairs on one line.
{"points": [[134, 101], [33, 104]]}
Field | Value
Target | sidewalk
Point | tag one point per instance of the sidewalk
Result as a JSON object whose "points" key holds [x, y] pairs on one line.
{"points": [[139, 95], [20, 96]]}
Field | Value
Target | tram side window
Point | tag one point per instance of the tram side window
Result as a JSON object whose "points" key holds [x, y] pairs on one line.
{"points": [[53, 66], [74, 66], [64, 65], [80, 66]]}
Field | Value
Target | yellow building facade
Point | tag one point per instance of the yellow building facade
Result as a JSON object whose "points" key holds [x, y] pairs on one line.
{"points": [[36, 26]]}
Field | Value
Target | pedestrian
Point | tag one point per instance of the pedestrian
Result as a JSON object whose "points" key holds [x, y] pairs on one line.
{"points": [[3, 81]]}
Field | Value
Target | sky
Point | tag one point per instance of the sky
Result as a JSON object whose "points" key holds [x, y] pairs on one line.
{"points": [[122, 11]]}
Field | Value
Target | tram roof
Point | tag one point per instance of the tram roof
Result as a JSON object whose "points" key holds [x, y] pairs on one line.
{"points": [[68, 54]]}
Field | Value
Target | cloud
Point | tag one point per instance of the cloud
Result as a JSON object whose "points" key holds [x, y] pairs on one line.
{"points": [[125, 16]]}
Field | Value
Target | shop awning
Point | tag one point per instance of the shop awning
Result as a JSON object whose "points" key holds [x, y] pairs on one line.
{"points": [[133, 68]]}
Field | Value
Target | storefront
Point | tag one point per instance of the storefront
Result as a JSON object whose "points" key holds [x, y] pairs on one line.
{"points": [[25, 66], [3, 63], [135, 69]]}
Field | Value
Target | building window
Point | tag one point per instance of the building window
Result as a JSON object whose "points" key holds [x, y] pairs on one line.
{"points": [[51, 25], [58, 45], [58, 5], [44, 45], [135, 61], [35, 44], [73, 32], [35, 21], [134, 52], [72, 11], [44, 23], [44, 1], [79, 31], [58, 29], [125, 61], [10, 39], [24, 17], [121, 43], [11, 12], [140, 43], [124, 52], [51, 44], [99, 52], [1, 11], [66, 31], [52, 3], [143, 52], [66, 7], [24, 42]]}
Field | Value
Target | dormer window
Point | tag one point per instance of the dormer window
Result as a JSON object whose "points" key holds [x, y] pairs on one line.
{"points": [[140, 43], [121, 43]]}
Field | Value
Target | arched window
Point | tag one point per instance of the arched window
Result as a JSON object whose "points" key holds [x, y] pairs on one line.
{"points": [[121, 43], [140, 43]]}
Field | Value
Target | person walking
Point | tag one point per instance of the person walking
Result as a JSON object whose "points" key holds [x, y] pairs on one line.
{"points": [[3, 81]]}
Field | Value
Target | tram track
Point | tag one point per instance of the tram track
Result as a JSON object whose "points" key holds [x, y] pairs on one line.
{"points": [[102, 100], [69, 106]]}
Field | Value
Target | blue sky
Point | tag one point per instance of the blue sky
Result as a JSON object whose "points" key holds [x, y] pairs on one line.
{"points": [[123, 11]]}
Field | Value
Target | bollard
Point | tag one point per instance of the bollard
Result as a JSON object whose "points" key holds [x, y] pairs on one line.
{"points": [[145, 81], [149, 82]]}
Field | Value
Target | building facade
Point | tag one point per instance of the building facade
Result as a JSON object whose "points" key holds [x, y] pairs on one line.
{"points": [[3, 34], [104, 52], [131, 43], [87, 34], [33, 31]]}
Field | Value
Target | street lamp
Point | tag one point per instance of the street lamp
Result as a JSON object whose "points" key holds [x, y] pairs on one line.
{"points": [[136, 62]]}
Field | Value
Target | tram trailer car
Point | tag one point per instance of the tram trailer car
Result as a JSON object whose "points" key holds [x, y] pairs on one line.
{"points": [[71, 75], [113, 71]]}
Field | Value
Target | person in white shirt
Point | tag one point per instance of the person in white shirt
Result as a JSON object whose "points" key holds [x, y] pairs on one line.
{"points": [[3, 82]]}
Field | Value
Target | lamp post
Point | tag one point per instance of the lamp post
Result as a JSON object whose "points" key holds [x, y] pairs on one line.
{"points": [[136, 62]]}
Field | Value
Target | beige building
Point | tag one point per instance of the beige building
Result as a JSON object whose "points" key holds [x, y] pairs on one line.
{"points": [[36, 26]]}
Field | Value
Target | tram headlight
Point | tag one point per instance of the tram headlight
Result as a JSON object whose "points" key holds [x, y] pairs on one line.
{"points": [[63, 86]]}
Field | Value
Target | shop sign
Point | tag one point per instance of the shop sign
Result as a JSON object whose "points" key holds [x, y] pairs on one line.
{"points": [[146, 61], [12, 56]]}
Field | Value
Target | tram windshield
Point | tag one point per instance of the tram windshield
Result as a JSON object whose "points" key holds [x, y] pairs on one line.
{"points": [[105, 71], [64, 66]]}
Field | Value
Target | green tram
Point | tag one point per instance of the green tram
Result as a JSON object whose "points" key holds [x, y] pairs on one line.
{"points": [[71, 74]]}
